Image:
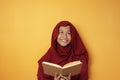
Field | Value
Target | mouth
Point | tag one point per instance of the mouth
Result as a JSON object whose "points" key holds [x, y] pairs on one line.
{"points": [[65, 41]]}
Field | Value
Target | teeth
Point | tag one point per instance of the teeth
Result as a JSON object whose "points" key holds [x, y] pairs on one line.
{"points": [[64, 40]]}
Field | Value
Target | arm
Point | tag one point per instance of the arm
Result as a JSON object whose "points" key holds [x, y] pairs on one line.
{"points": [[40, 73], [84, 70]]}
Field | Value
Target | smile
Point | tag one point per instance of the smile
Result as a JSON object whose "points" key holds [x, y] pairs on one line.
{"points": [[64, 41]]}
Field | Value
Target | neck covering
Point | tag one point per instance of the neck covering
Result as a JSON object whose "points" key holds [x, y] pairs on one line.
{"points": [[62, 55]]}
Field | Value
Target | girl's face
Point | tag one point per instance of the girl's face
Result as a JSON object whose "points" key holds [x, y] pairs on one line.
{"points": [[64, 36]]}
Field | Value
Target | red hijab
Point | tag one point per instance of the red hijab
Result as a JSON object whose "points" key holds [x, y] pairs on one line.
{"points": [[62, 55]]}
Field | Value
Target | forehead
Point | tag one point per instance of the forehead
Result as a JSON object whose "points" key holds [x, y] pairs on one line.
{"points": [[65, 28]]}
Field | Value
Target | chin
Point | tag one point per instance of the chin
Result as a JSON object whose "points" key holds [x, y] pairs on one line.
{"points": [[63, 45]]}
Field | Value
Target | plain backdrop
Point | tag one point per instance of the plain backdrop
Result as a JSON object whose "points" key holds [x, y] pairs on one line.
{"points": [[26, 28]]}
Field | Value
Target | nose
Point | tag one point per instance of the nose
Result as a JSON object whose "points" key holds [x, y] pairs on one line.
{"points": [[64, 36]]}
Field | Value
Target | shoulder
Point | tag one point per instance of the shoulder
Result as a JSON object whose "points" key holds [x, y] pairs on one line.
{"points": [[45, 57]]}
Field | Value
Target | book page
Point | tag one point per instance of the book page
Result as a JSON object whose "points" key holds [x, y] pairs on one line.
{"points": [[51, 68], [52, 64], [70, 64], [72, 67]]}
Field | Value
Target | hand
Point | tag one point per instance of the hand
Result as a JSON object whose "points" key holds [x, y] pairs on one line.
{"points": [[61, 77], [65, 77], [57, 77]]}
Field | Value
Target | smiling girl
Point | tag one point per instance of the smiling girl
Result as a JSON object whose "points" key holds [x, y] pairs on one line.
{"points": [[66, 46]]}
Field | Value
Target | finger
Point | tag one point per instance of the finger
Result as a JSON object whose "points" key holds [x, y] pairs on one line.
{"points": [[63, 77], [55, 74], [69, 76], [59, 76]]}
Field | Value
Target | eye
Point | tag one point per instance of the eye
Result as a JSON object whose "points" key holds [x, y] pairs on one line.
{"points": [[68, 33], [60, 32]]}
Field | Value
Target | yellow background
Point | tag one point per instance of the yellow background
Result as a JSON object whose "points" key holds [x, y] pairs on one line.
{"points": [[26, 27]]}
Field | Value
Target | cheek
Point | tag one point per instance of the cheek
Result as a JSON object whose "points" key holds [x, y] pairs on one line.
{"points": [[58, 37], [69, 37]]}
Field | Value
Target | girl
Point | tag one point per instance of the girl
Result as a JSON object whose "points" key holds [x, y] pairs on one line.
{"points": [[66, 46]]}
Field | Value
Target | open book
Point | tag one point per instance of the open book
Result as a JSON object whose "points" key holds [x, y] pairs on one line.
{"points": [[71, 67]]}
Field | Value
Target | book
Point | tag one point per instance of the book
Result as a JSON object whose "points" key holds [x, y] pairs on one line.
{"points": [[72, 67]]}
